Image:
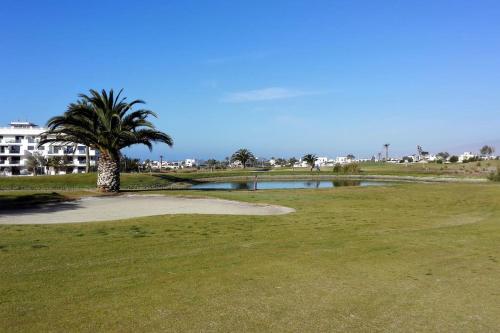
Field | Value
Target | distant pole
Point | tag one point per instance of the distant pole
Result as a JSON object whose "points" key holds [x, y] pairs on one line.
{"points": [[161, 161]]}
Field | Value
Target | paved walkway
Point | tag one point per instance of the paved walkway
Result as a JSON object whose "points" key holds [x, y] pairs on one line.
{"points": [[129, 206]]}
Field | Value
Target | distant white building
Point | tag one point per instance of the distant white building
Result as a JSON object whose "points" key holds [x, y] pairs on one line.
{"points": [[20, 140], [321, 161], [189, 163], [301, 164], [236, 164], [465, 156], [342, 160]]}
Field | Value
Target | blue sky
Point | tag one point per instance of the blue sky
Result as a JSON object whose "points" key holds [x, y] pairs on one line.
{"points": [[281, 78]]}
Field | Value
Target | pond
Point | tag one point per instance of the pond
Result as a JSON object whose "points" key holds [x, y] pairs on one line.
{"points": [[283, 184]]}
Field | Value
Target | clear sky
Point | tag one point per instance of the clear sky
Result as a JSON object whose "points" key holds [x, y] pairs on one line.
{"points": [[281, 78]]}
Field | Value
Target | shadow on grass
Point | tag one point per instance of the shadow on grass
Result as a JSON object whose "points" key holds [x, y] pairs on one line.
{"points": [[176, 179], [39, 201]]}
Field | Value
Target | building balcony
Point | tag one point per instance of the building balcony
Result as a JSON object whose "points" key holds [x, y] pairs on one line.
{"points": [[11, 142], [8, 153], [10, 164]]}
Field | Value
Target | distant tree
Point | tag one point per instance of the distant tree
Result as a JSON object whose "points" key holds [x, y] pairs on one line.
{"points": [[310, 159], [386, 146], [212, 163], [487, 150], [291, 162], [147, 165], [128, 164], [243, 156], [443, 155], [56, 163], [453, 159], [351, 157], [408, 159], [35, 162], [281, 161]]}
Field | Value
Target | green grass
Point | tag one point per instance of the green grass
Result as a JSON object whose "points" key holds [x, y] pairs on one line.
{"points": [[413, 257], [85, 181]]}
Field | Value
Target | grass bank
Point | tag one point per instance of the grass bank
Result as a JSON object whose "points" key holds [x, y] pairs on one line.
{"points": [[411, 257], [448, 172]]}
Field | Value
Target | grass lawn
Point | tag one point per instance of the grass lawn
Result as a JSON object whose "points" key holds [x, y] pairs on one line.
{"points": [[86, 181], [412, 257]]}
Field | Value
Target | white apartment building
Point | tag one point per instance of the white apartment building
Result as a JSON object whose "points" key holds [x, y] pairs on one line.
{"points": [[465, 156], [190, 163], [342, 160], [20, 140]]}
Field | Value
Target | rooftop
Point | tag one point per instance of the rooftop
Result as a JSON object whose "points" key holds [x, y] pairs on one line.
{"points": [[22, 124]]}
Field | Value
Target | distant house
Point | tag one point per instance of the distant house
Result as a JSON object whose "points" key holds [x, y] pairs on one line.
{"points": [[342, 160], [321, 161], [465, 156], [236, 164], [189, 163], [300, 164]]}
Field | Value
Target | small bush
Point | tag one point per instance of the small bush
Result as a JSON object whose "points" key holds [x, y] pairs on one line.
{"points": [[454, 159], [351, 168], [494, 176]]}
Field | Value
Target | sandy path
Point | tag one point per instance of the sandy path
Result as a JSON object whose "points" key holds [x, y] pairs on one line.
{"points": [[128, 206]]}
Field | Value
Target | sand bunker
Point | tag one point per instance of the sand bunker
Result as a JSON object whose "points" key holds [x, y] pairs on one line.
{"points": [[128, 206]]}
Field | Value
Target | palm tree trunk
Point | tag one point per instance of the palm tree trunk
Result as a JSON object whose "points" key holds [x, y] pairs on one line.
{"points": [[108, 174], [87, 159]]}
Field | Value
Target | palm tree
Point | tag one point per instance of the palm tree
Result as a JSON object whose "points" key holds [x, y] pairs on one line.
{"points": [[386, 146], [87, 159], [310, 159], [243, 156], [35, 161], [487, 150], [56, 163], [108, 124], [292, 162], [212, 163]]}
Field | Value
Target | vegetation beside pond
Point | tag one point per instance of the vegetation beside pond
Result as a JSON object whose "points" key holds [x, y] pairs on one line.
{"points": [[185, 177]]}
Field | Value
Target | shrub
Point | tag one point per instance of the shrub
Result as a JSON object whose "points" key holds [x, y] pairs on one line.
{"points": [[494, 176], [454, 159], [351, 168], [337, 167]]}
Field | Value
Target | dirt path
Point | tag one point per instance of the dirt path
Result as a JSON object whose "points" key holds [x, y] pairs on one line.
{"points": [[128, 206]]}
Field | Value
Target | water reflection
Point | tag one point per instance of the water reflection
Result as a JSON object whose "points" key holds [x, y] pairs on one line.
{"points": [[339, 183], [285, 184]]}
